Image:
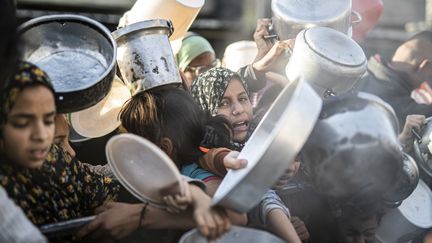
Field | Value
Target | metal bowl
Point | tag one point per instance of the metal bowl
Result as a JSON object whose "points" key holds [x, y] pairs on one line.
{"points": [[272, 147], [235, 235], [77, 53]]}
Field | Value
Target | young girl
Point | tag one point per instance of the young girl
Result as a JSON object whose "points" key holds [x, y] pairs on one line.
{"points": [[43, 179]]}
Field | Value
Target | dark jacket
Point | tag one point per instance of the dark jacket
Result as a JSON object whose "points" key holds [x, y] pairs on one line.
{"points": [[394, 88]]}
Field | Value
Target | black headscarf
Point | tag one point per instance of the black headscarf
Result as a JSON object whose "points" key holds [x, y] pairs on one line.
{"points": [[209, 88]]}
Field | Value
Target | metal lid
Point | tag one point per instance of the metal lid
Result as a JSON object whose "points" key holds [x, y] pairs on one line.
{"points": [[142, 168], [307, 11], [417, 208], [145, 25], [334, 46]]}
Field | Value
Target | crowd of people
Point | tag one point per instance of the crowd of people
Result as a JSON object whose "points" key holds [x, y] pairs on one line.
{"points": [[201, 125]]}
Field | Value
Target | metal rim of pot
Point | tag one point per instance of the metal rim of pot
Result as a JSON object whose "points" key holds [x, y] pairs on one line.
{"points": [[77, 19], [146, 24]]}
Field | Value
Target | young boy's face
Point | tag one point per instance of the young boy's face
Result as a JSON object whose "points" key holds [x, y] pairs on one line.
{"points": [[358, 230]]}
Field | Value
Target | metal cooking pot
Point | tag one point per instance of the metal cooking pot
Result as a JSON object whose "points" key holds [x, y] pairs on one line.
{"points": [[271, 148], [144, 55], [353, 151], [423, 148], [77, 53], [235, 235], [330, 61], [410, 219], [292, 16], [406, 182]]}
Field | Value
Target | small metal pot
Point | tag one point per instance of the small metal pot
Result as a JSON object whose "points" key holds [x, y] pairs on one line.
{"points": [[329, 60], [292, 16], [235, 235], [353, 151], [423, 148], [78, 54], [144, 55]]}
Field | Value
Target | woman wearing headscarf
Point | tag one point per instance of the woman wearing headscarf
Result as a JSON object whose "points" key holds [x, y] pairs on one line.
{"points": [[220, 91]]}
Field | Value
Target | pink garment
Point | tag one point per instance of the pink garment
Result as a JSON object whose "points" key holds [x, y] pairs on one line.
{"points": [[370, 10], [423, 94]]}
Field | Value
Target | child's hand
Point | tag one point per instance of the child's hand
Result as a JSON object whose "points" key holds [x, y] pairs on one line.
{"points": [[231, 162], [212, 222], [178, 203]]}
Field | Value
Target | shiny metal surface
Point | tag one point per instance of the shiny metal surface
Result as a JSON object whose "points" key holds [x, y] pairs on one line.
{"points": [[143, 169], [144, 55], [65, 228], [406, 181], [77, 53], [235, 235], [289, 17], [271, 148], [330, 61], [423, 148], [353, 151]]}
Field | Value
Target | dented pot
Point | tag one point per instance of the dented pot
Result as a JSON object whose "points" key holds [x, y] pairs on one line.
{"points": [[144, 55]]}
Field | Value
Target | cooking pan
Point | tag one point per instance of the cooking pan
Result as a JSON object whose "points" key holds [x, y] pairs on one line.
{"points": [[271, 148], [77, 53], [423, 148]]}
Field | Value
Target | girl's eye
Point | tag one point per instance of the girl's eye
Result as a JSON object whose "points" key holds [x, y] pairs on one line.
{"points": [[49, 122], [19, 124], [243, 99], [223, 103]]}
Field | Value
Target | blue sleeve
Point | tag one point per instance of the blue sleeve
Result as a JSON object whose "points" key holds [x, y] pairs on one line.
{"points": [[195, 172]]}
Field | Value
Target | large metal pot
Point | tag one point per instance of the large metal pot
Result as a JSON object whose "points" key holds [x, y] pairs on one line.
{"points": [[423, 148], [410, 219], [235, 235], [78, 53], [353, 151], [330, 61], [144, 55], [272, 147], [292, 16]]}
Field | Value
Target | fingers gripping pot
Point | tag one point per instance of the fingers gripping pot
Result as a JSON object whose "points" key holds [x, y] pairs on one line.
{"points": [[329, 60], [353, 151], [144, 55], [78, 54]]}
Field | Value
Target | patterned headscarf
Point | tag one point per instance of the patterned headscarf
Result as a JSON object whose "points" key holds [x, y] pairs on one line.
{"points": [[26, 75], [209, 88]]}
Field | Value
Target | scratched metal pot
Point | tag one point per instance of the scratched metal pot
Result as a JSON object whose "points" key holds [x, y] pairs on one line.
{"points": [[144, 55], [329, 60], [353, 151], [78, 54], [289, 17]]}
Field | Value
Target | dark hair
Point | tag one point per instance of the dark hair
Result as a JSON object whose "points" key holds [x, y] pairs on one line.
{"points": [[170, 113], [422, 36]]}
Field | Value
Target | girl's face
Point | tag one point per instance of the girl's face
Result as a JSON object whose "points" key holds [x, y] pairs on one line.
{"points": [[237, 108], [29, 130]]}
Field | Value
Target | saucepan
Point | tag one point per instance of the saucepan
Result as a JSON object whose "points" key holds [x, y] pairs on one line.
{"points": [[423, 148], [271, 148], [144, 55], [289, 17], [353, 151], [235, 235], [78, 54], [328, 59]]}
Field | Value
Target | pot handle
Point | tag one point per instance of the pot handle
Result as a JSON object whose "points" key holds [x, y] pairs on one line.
{"points": [[416, 135], [358, 17]]}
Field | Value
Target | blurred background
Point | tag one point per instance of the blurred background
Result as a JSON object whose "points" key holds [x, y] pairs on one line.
{"points": [[225, 21]]}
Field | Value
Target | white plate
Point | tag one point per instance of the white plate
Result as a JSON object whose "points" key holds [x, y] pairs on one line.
{"points": [[142, 168]]}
